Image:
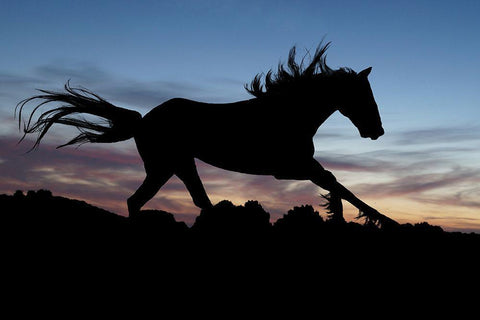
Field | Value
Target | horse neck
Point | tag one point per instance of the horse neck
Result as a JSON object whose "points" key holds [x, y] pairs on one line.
{"points": [[307, 114], [319, 115], [324, 103]]}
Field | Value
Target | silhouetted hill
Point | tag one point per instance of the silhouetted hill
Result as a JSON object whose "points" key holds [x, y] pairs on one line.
{"points": [[48, 241], [39, 219]]}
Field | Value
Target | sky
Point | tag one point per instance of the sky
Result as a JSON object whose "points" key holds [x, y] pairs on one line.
{"points": [[138, 54]]}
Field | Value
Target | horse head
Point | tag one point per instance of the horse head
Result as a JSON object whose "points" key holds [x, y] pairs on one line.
{"points": [[358, 104]]}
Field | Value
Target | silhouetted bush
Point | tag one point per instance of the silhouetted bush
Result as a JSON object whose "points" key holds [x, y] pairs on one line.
{"points": [[227, 219], [426, 227], [18, 194], [303, 220]]}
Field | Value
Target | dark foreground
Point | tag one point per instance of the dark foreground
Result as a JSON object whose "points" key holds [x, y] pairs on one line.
{"points": [[43, 221], [54, 245]]}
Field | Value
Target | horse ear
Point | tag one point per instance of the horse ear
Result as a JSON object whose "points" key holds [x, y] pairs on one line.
{"points": [[365, 73]]}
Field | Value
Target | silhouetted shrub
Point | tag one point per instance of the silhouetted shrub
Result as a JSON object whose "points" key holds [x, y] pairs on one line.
{"points": [[31, 193], [18, 195], [300, 220], [227, 219], [421, 228], [39, 194], [426, 227]]}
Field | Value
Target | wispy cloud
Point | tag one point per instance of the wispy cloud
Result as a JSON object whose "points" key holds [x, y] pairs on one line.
{"points": [[467, 196], [421, 183], [439, 135], [355, 163], [140, 95], [79, 72], [83, 171]]}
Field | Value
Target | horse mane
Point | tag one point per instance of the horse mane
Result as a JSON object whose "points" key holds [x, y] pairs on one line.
{"points": [[294, 76]]}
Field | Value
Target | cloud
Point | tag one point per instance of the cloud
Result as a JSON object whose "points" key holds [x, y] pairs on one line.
{"points": [[355, 163], [428, 176], [141, 95], [462, 197], [422, 183], [438, 135], [14, 88], [8, 80], [79, 72], [90, 172]]}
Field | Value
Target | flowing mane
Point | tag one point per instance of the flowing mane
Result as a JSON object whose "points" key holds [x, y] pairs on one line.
{"points": [[295, 75]]}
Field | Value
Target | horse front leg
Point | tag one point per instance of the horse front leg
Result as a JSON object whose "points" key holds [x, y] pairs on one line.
{"points": [[326, 180]]}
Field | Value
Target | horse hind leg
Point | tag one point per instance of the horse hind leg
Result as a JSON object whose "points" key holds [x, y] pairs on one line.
{"points": [[150, 186], [187, 172]]}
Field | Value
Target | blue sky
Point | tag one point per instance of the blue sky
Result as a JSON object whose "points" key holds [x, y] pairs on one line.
{"points": [[426, 80]]}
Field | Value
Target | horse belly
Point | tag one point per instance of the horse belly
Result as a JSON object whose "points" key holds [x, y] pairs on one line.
{"points": [[254, 157], [239, 162]]}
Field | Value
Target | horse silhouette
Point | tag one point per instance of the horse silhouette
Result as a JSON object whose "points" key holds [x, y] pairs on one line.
{"points": [[270, 134]]}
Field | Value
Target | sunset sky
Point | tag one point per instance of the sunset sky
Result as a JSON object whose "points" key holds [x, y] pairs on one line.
{"points": [[137, 54]]}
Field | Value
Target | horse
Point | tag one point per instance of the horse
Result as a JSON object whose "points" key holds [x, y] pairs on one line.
{"points": [[269, 134]]}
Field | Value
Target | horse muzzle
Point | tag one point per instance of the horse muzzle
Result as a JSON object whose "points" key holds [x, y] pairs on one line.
{"points": [[373, 135]]}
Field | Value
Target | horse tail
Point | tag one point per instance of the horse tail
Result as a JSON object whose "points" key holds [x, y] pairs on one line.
{"points": [[113, 124]]}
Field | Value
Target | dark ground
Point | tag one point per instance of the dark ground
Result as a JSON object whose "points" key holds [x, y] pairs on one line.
{"points": [[64, 256], [47, 239], [41, 219]]}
